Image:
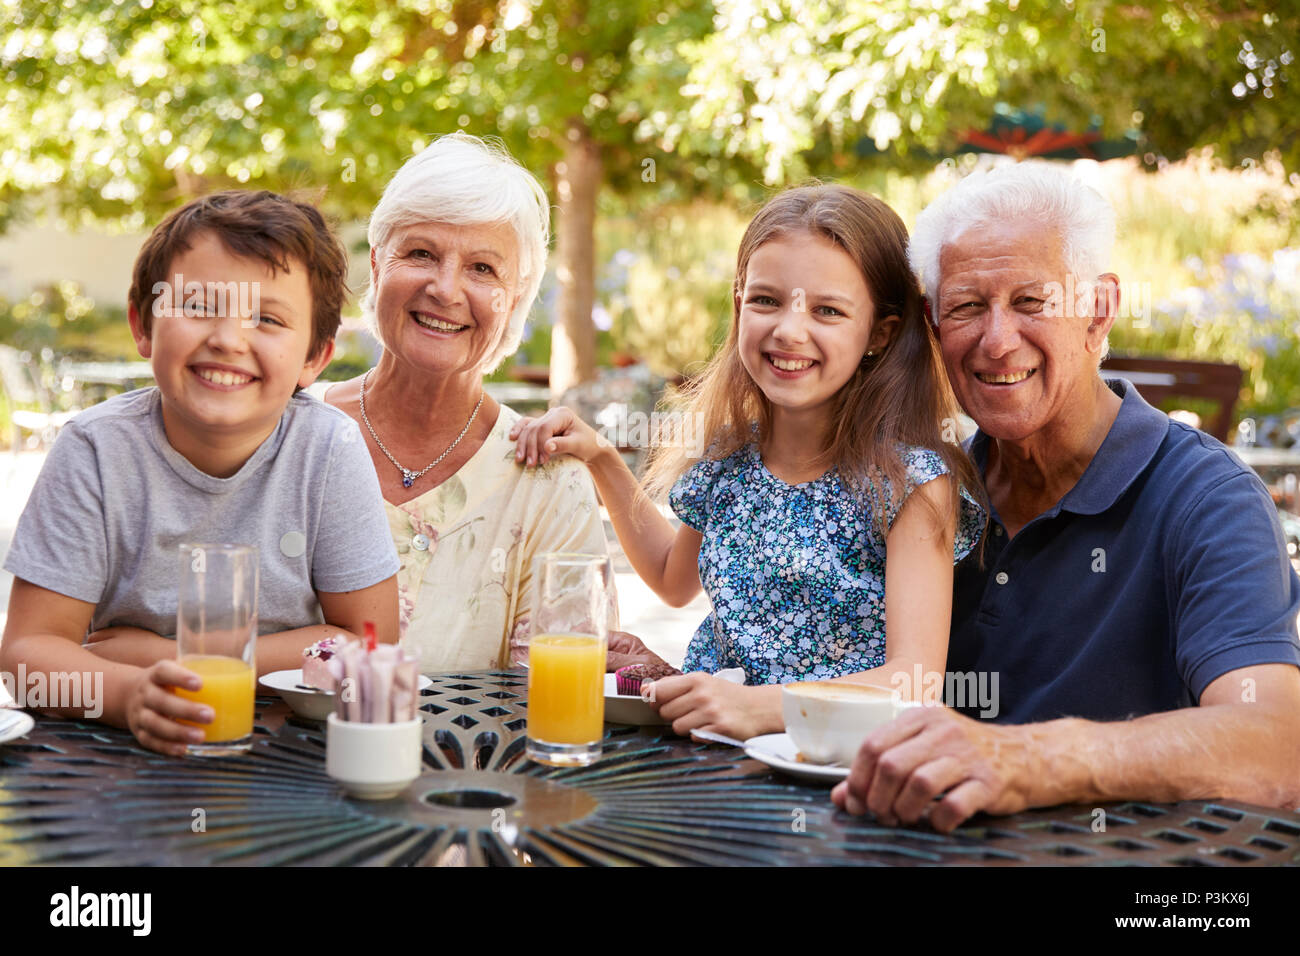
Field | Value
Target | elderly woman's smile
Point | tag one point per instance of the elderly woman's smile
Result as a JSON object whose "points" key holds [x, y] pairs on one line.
{"points": [[441, 283], [436, 323]]}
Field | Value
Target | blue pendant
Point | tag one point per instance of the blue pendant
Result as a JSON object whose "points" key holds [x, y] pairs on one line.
{"points": [[407, 480]]}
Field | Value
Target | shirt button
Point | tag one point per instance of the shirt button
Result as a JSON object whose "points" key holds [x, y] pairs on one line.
{"points": [[420, 542], [997, 530], [1001, 577]]}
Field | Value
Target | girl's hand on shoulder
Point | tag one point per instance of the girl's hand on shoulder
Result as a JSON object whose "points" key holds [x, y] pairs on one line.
{"points": [[701, 701], [153, 712], [558, 432]]}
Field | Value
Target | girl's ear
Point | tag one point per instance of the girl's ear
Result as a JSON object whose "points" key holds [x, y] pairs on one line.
{"points": [[882, 333]]}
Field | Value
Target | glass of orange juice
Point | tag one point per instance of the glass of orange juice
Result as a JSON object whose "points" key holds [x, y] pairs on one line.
{"points": [[566, 659], [216, 638]]}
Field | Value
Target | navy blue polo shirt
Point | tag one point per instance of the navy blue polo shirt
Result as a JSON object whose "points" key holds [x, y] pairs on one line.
{"points": [[1162, 569]]}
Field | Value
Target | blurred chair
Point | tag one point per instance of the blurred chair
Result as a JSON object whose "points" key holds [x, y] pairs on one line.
{"points": [[1159, 379], [21, 379]]}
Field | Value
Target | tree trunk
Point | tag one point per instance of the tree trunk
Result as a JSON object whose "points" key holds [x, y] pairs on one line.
{"points": [[577, 183]]}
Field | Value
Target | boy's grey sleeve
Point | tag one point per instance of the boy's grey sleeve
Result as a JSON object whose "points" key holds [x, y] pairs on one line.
{"points": [[354, 548], [60, 542]]}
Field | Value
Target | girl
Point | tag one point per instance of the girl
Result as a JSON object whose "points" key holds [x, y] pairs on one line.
{"points": [[823, 415]]}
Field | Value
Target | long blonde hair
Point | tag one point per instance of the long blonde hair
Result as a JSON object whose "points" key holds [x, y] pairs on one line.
{"points": [[899, 397]]}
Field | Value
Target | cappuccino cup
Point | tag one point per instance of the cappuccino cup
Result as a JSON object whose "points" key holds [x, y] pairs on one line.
{"points": [[828, 721]]}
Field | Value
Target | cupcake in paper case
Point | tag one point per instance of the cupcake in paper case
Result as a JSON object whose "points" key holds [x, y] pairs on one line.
{"points": [[316, 661], [628, 679]]}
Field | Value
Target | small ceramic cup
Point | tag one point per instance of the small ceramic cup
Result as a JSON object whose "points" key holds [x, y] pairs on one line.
{"points": [[827, 721], [373, 761]]}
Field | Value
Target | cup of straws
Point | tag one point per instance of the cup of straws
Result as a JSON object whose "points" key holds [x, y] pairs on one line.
{"points": [[374, 738]]}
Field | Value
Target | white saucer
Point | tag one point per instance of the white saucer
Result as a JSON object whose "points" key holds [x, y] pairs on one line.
{"points": [[628, 708], [306, 701], [14, 728], [779, 752]]}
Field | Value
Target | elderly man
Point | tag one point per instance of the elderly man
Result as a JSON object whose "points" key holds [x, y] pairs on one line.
{"points": [[1135, 599]]}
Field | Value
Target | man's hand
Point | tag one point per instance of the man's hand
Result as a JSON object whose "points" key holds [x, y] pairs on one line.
{"points": [[701, 701], [930, 752], [153, 711], [625, 649]]}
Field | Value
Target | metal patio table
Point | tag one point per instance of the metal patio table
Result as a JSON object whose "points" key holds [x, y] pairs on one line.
{"points": [[82, 793]]}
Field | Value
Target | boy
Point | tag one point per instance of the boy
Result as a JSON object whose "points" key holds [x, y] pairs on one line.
{"points": [[235, 299]]}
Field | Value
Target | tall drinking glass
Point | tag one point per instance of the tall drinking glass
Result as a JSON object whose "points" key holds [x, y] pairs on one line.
{"points": [[216, 638], [566, 659]]}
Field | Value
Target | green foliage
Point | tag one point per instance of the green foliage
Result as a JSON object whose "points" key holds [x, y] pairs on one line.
{"points": [[668, 285], [59, 322], [60, 318], [1208, 250], [777, 78], [1246, 310], [355, 351], [344, 367], [116, 110]]}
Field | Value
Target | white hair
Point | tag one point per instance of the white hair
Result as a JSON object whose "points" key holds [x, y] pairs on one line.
{"points": [[462, 180], [1031, 191]]}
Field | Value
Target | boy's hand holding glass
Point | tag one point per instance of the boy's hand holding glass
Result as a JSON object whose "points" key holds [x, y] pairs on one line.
{"points": [[160, 719]]}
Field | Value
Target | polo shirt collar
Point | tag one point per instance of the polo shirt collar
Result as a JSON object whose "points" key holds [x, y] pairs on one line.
{"points": [[1129, 446]]}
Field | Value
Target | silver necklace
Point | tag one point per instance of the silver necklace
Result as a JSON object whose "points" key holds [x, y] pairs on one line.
{"points": [[408, 476]]}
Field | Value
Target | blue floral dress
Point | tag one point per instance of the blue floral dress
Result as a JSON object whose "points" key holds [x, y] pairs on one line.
{"points": [[795, 573]]}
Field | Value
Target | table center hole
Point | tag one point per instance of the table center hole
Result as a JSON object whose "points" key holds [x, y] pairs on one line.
{"points": [[470, 799]]}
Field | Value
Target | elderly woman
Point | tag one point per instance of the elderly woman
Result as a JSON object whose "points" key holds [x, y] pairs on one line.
{"points": [[457, 251]]}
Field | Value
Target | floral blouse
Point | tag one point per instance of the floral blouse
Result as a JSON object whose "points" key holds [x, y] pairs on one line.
{"points": [[467, 550], [795, 573]]}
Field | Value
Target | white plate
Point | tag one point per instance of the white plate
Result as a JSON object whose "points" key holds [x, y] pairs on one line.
{"points": [[13, 729], [628, 708], [779, 752], [308, 701]]}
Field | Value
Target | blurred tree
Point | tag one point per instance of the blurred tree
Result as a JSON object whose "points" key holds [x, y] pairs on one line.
{"points": [[116, 110], [794, 85]]}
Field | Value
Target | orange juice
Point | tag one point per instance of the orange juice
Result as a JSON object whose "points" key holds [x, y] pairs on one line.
{"points": [[566, 688], [228, 685]]}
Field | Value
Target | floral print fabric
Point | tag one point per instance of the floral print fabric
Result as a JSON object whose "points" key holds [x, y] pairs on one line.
{"points": [[795, 573], [468, 547]]}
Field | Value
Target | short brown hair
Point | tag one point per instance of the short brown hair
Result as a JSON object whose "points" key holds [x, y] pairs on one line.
{"points": [[255, 225]]}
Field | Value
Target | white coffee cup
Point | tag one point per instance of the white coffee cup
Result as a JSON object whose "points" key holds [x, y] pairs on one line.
{"points": [[828, 720], [373, 761]]}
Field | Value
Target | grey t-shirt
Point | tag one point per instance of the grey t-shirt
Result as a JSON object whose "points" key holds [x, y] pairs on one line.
{"points": [[115, 500]]}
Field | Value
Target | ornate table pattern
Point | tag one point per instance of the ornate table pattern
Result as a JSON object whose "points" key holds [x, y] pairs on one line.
{"points": [[85, 794]]}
